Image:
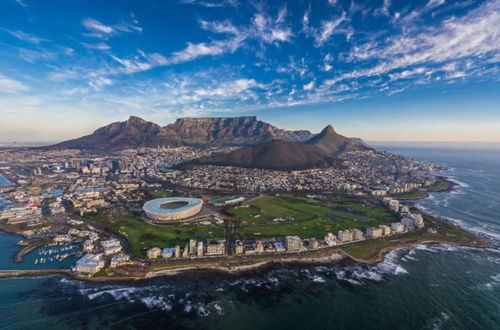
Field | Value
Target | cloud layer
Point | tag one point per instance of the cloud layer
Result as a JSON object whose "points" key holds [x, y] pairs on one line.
{"points": [[203, 57]]}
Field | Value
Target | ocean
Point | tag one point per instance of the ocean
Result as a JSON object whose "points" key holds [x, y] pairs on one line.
{"points": [[424, 287], [4, 181]]}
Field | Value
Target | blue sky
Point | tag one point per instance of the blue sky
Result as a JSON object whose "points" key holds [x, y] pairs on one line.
{"points": [[382, 70]]}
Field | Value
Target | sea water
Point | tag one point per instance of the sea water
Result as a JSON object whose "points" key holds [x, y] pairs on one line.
{"points": [[424, 287], [4, 181]]}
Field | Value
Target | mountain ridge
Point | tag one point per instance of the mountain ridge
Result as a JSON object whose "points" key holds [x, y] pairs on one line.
{"points": [[136, 132]]}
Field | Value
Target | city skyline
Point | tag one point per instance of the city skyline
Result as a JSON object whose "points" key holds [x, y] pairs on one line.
{"points": [[381, 71]]}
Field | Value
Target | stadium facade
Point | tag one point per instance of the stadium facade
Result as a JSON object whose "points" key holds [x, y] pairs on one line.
{"points": [[172, 208]]}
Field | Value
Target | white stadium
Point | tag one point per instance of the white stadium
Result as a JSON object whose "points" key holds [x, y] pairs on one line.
{"points": [[172, 208]]}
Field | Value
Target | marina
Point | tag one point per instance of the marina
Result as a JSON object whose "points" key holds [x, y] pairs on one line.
{"points": [[48, 256]]}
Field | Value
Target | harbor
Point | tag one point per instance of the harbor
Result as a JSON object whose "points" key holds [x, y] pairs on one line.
{"points": [[45, 256]]}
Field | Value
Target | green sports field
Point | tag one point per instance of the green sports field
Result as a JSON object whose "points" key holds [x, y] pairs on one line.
{"points": [[313, 218]]}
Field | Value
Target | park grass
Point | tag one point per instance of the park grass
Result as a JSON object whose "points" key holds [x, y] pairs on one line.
{"points": [[416, 194], [313, 218], [159, 193], [377, 212], [440, 185], [142, 235]]}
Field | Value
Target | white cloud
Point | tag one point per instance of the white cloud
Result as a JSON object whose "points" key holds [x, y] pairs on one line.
{"points": [[97, 26], [100, 30], [97, 46], [33, 56], [474, 35], [327, 29], [220, 27], [22, 3], [309, 86], [138, 63], [213, 3], [434, 3], [100, 82], [384, 10], [213, 48], [271, 30], [25, 36], [8, 85], [229, 89]]}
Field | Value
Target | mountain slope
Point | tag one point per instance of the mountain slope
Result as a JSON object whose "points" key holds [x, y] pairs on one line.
{"points": [[320, 151], [133, 133], [275, 154], [333, 143]]}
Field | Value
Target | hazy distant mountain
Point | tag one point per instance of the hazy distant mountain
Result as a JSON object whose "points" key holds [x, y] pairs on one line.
{"points": [[320, 151], [225, 131], [359, 140], [333, 143]]}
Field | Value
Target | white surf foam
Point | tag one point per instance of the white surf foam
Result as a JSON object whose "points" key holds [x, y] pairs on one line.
{"points": [[157, 302]]}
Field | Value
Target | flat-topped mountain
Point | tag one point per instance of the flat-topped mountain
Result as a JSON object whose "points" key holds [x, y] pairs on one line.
{"points": [[232, 131], [319, 151], [225, 131]]}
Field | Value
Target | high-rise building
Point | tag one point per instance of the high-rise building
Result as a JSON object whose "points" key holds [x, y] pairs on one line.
{"points": [[357, 234], [344, 235], [192, 247], [199, 250], [374, 232], [386, 230], [153, 253], [293, 243]]}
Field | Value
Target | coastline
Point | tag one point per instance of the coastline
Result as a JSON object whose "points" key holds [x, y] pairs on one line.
{"points": [[384, 251], [8, 178], [242, 267], [425, 193], [239, 266]]}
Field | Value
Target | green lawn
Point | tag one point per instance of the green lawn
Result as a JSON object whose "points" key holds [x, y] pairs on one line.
{"points": [[371, 249], [377, 212], [416, 194], [440, 185], [142, 235], [159, 193], [313, 218]]}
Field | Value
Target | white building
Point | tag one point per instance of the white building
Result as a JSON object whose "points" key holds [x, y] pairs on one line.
{"points": [[344, 235], [397, 227], [386, 230], [90, 264], [374, 232], [111, 246], [119, 259], [153, 253], [293, 243], [330, 239], [167, 253], [357, 235]]}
